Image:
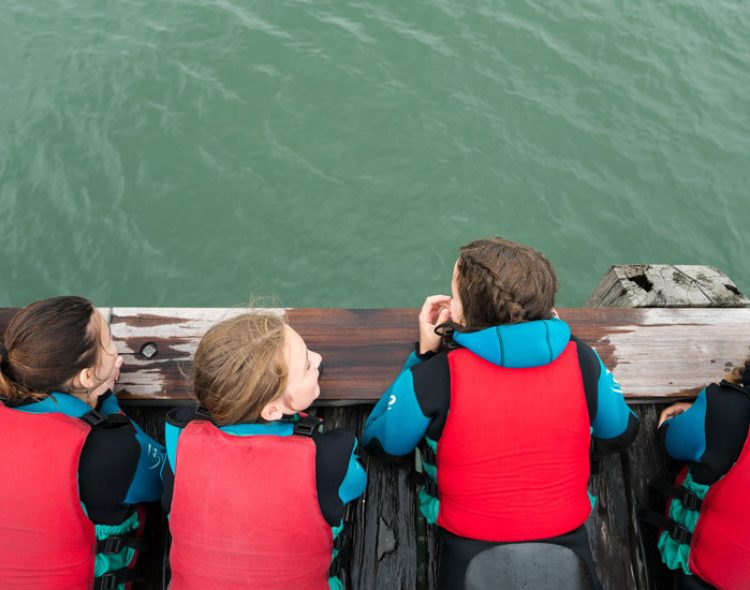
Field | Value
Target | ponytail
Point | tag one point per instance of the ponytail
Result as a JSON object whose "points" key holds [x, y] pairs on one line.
{"points": [[45, 346], [9, 389]]}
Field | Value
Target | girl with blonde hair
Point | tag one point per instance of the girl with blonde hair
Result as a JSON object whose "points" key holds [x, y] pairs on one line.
{"points": [[255, 490]]}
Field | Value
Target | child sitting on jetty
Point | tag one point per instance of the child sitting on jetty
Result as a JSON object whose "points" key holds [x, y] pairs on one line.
{"points": [[505, 409], [705, 537], [73, 466], [256, 492]]}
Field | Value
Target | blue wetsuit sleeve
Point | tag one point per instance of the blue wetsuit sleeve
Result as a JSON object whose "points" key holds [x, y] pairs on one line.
{"points": [[355, 480], [614, 419], [146, 485], [396, 424], [685, 435]]}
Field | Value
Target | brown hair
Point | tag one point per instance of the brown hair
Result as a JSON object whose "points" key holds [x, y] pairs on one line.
{"points": [[740, 375], [46, 344], [503, 282], [239, 367]]}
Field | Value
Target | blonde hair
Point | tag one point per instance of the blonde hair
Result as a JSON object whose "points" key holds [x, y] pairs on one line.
{"points": [[239, 367]]}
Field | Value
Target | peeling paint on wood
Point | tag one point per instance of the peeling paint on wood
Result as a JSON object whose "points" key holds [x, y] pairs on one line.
{"points": [[654, 353]]}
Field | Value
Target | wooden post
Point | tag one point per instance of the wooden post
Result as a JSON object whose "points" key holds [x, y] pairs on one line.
{"points": [[625, 551], [664, 285]]}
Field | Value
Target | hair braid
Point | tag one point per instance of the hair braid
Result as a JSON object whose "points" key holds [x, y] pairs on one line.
{"points": [[502, 282]]}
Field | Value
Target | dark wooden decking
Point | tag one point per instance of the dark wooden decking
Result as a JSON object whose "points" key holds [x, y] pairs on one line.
{"points": [[658, 355]]}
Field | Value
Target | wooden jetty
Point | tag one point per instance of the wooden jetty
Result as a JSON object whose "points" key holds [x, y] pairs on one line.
{"points": [[658, 355]]}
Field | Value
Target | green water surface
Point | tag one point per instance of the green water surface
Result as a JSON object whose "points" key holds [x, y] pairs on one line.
{"points": [[197, 152]]}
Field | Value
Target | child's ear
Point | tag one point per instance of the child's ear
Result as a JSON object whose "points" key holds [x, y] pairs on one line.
{"points": [[272, 411], [85, 378]]}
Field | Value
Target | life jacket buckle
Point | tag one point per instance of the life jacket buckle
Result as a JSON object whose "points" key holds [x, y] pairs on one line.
{"points": [[94, 418], [117, 543], [680, 533], [108, 581], [307, 426], [690, 500], [110, 545]]}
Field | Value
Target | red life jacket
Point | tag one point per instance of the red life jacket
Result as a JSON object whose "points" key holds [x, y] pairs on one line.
{"points": [[513, 457], [46, 540], [720, 545], [245, 513]]}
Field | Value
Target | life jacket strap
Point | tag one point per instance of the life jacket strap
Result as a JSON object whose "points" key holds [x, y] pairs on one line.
{"points": [[428, 455], [117, 543], [688, 499], [417, 478], [307, 425], [97, 420], [111, 580], [678, 532], [342, 545]]}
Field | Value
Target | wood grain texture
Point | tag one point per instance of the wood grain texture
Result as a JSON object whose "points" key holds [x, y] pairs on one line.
{"points": [[655, 353], [666, 285], [644, 463]]}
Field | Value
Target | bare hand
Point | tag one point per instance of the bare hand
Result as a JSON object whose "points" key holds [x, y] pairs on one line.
{"points": [[435, 311], [673, 411]]}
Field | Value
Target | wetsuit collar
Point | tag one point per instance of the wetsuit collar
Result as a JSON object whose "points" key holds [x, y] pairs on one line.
{"points": [[57, 403], [518, 346]]}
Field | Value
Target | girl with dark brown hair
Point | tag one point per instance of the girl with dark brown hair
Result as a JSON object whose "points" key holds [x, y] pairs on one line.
{"points": [[504, 403], [73, 467], [255, 490], [705, 530]]}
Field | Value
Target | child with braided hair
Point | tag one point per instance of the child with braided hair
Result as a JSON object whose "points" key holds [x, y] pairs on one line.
{"points": [[504, 403]]}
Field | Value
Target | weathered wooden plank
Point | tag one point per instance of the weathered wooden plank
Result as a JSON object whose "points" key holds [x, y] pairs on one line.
{"points": [[364, 349], [664, 352], [665, 285], [608, 526], [385, 539], [644, 463], [432, 556], [655, 353]]}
